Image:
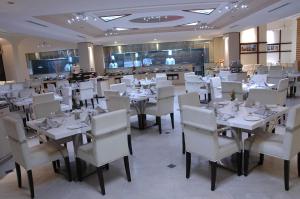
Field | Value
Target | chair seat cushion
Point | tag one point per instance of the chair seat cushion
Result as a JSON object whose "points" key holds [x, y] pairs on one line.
{"points": [[266, 143], [85, 152], [45, 153], [227, 147], [151, 109]]}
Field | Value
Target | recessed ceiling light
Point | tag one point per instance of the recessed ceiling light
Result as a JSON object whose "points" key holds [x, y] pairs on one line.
{"points": [[115, 42], [191, 24], [11, 2], [201, 11], [121, 29], [113, 17], [155, 39]]}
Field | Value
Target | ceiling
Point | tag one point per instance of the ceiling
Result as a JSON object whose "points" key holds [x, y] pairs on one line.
{"points": [[48, 19]]}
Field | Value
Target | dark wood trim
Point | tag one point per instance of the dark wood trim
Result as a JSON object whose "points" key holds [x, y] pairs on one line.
{"points": [[260, 42], [257, 40], [279, 46]]}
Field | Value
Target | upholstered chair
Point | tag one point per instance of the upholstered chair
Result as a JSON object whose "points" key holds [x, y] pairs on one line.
{"points": [[229, 87], [108, 130], [45, 109], [95, 88], [44, 97], [27, 92], [163, 106], [215, 88], [51, 88], [67, 103], [118, 103], [193, 83], [282, 89], [202, 138], [86, 92], [31, 157], [128, 81], [284, 146], [263, 97], [162, 83], [62, 83], [121, 88], [190, 99], [259, 79]]}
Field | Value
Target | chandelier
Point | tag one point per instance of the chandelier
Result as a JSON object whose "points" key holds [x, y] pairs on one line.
{"points": [[234, 6], [43, 44], [80, 17]]}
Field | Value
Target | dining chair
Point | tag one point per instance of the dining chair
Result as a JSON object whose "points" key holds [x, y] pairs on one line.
{"points": [[51, 88], [188, 74], [109, 93], [275, 74], [115, 103], [160, 76], [202, 138], [162, 83], [263, 97], [215, 88], [237, 77], [190, 99], [44, 97], [95, 88], [194, 83], [16, 88], [37, 85], [163, 106], [223, 74], [86, 92], [67, 103], [283, 146], [108, 130], [26, 92], [127, 80], [262, 69], [228, 88], [102, 86], [259, 79], [121, 87], [45, 109], [31, 157], [282, 89], [62, 83]]}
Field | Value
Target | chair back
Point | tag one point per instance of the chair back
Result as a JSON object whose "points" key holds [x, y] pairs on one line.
{"points": [[259, 79], [162, 83], [62, 83], [261, 69], [215, 87], [45, 109], [165, 100], [127, 81], [160, 75], [41, 98], [108, 93], [188, 74], [67, 96], [229, 87], [95, 85], [292, 136], [51, 88], [28, 92], [237, 77], [117, 103], [199, 126], [110, 130], [17, 140], [189, 99], [223, 74], [86, 91], [121, 88], [275, 74], [282, 90], [263, 96], [16, 88]]}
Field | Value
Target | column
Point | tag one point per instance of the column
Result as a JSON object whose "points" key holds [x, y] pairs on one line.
{"points": [[86, 56], [99, 59], [298, 45], [231, 47]]}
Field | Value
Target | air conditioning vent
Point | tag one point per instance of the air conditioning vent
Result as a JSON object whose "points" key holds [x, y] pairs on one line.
{"points": [[279, 7], [234, 26], [36, 23]]}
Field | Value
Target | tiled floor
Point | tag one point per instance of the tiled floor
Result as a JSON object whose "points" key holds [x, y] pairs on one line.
{"points": [[158, 172]]}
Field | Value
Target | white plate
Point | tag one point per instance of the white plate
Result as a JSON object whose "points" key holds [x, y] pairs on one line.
{"points": [[251, 118]]}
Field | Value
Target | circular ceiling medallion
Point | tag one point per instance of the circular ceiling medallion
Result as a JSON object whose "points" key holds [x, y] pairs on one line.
{"points": [[156, 19]]}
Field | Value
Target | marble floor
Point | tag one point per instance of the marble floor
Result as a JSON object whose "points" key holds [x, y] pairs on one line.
{"points": [[158, 172]]}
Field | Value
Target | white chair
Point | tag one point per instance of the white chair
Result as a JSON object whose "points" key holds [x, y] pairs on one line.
{"points": [[41, 98], [45, 109], [51, 88], [101, 87], [282, 89], [190, 99], [31, 157], [109, 143], [86, 92], [62, 83], [95, 88], [284, 146], [228, 88], [262, 69], [27, 92], [128, 80], [37, 85], [263, 97], [215, 88], [115, 103], [163, 106], [259, 79], [194, 83], [275, 74], [160, 76], [223, 74], [121, 87], [162, 83], [16, 88], [237, 77], [108, 93], [67, 103], [202, 138]]}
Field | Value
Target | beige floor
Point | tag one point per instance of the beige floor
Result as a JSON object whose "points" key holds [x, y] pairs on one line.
{"points": [[152, 179]]}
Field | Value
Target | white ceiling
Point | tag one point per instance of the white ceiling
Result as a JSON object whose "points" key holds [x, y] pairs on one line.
{"points": [[13, 18]]}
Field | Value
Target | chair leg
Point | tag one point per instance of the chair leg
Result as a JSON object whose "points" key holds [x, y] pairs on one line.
{"points": [[78, 169], [286, 174], [127, 169], [80, 103], [106, 166], [30, 182], [129, 144], [68, 168], [188, 165], [19, 175], [183, 143], [246, 162], [298, 164], [261, 159], [58, 164], [101, 180], [239, 163], [97, 99], [213, 170], [92, 100], [158, 122], [85, 101], [172, 119], [54, 166]]}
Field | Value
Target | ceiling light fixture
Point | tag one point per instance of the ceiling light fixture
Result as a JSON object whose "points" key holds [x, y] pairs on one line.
{"points": [[80, 17], [43, 44], [234, 6], [199, 26], [201, 11], [113, 17]]}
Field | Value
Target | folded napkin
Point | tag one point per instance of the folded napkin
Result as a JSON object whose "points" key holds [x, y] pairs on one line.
{"points": [[47, 124]]}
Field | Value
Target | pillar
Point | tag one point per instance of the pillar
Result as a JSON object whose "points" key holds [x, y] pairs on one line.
{"points": [[298, 45], [86, 56], [99, 59], [231, 47]]}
